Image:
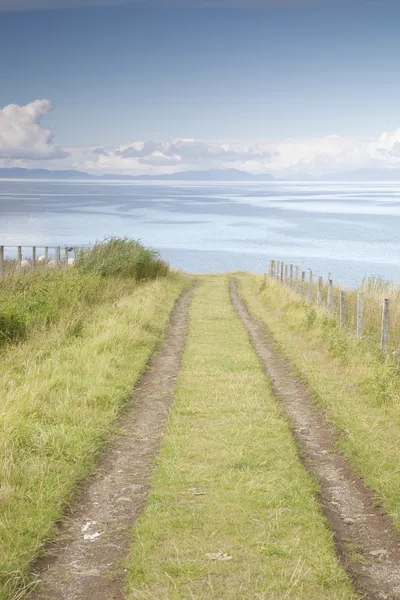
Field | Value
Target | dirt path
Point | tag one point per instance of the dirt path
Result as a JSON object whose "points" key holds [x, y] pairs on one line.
{"points": [[366, 541], [87, 562]]}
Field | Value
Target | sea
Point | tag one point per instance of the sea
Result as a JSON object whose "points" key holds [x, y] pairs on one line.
{"points": [[348, 229]]}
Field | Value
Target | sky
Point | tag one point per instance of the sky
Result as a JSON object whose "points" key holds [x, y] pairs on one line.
{"points": [[280, 86]]}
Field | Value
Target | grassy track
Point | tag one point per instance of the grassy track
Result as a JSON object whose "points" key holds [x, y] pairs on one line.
{"points": [[229, 481], [61, 392], [358, 388]]}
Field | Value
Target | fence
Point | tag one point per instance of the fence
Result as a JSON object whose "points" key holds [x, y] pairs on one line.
{"points": [[24, 258], [367, 312]]}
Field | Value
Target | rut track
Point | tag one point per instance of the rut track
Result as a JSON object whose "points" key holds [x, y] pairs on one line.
{"points": [[365, 538], [87, 560]]}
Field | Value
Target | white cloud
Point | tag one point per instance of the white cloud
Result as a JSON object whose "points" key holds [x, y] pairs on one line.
{"points": [[22, 136], [25, 142]]}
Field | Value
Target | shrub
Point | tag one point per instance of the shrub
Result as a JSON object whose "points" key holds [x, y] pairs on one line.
{"points": [[122, 257]]}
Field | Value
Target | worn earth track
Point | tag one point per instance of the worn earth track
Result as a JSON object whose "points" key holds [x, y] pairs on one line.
{"points": [[367, 543], [87, 562]]}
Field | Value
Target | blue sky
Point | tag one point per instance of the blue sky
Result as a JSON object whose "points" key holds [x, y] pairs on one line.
{"points": [[272, 71]]}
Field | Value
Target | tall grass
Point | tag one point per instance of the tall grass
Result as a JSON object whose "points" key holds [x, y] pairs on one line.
{"points": [[375, 290], [39, 298], [123, 258]]}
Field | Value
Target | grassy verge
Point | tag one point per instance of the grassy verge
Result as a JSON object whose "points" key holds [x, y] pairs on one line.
{"points": [[357, 386], [61, 392], [229, 481], [33, 300]]}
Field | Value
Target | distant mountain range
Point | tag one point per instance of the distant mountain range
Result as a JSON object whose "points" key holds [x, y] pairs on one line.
{"points": [[364, 175], [210, 175]]}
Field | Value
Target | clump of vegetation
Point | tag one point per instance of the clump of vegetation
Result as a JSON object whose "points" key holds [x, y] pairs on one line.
{"points": [[39, 298], [124, 258]]}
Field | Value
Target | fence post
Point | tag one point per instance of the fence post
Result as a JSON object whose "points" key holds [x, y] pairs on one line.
{"points": [[1, 262], [342, 314], [303, 280], [281, 274], [297, 280], [66, 256], [310, 285], [330, 294], [360, 314], [46, 256], [58, 256], [291, 276], [385, 325], [319, 298], [19, 255], [33, 257]]}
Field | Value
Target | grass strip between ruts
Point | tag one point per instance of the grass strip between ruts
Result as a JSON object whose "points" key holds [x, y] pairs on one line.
{"points": [[232, 512]]}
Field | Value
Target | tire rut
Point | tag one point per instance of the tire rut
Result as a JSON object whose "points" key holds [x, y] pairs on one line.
{"points": [[365, 538], [87, 560]]}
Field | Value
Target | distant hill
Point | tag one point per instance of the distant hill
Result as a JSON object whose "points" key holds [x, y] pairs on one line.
{"points": [[365, 175], [210, 175]]}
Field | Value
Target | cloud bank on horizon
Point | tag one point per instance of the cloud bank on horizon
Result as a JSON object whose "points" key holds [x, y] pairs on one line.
{"points": [[25, 142]]}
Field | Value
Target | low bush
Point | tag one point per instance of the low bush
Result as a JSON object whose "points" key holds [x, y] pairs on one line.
{"points": [[124, 258]]}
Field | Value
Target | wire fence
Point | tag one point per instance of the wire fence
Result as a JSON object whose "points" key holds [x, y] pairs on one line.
{"points": [[21, 259], [371, 312]]}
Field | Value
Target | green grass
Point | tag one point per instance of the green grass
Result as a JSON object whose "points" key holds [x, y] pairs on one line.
{"points": [[38, 299], [123, 258], [61, 392], [358, 386], [229, 480]]}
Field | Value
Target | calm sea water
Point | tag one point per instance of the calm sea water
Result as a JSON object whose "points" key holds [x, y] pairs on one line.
{"points": [[349, 229]]}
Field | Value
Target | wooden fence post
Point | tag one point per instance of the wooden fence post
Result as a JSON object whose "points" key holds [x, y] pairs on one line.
{"points": [[297, 280], [58, 256], [342, 314], [330, 295], [310, 285], [385, 325], [272, 268], [1, 262], [33, 257], [46, 256], [66, 256], [303, 280], [19, 255], [281, 274], [319, 298], [360, 314], [291, 276]]}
